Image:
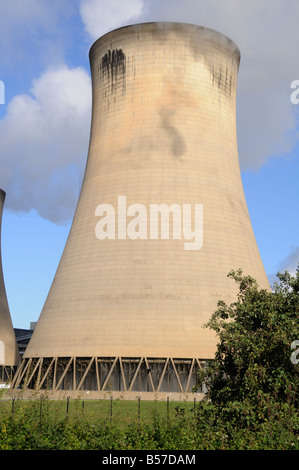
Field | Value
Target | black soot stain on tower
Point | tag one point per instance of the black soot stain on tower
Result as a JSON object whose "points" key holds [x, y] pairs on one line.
{"points": [[113, 66], [222, 80]]}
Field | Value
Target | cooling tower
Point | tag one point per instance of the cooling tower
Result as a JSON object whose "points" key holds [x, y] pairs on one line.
{"points": [[161, 218], [9, 352]]}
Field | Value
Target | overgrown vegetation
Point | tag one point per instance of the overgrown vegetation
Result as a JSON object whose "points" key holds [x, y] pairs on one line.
{"points": [[251, 402], [253, 381]]}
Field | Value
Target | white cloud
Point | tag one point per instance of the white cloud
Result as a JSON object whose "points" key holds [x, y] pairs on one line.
{"points": [[44, 141], [100, 17]]}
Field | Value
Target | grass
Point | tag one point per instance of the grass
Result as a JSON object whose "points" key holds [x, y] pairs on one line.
{"points": [[123, 413], [120, 412]]}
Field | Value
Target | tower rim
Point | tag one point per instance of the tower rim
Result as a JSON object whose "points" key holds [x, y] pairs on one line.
{"points": [[177, 24]]}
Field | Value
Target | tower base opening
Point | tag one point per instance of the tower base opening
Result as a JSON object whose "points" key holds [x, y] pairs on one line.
{"points": [[7, 374], [108, 374]]}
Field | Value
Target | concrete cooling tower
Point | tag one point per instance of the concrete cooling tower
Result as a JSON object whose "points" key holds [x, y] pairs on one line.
{"points": [[161, 219], [9, 352]]}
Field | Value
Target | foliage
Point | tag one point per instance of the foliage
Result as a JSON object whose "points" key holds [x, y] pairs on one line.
{"points": [[253, 357], [253, 383]]}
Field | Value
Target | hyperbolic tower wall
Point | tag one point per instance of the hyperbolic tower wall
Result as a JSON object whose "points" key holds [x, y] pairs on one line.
{"points": [[129, 314], [9, 352]]}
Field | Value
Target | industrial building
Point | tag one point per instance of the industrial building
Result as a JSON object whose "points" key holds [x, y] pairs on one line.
{"points": [[160, 221]]}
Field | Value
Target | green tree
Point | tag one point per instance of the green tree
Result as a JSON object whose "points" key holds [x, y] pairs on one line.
{"points": [[253, 370]]}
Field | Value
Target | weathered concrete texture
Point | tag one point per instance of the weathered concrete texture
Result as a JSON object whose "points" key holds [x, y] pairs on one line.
{"points": [[9, 353], [163, 131]]}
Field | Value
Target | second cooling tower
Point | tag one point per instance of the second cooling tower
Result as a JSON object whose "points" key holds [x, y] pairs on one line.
{"points": [[9, 352], [161, 217]]}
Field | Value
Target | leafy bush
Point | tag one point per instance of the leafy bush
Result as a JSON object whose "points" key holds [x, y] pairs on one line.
{"points": [[252, 382]]}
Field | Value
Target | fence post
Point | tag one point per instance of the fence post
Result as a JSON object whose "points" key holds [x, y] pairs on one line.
{"points": [[111, 404], [40, 410], [139, 409], [13, 405]]}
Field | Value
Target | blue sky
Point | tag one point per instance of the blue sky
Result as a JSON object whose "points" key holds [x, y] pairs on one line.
{"points": [[45, 123]]}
